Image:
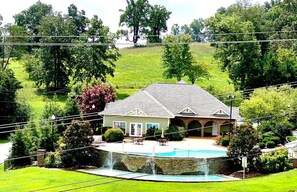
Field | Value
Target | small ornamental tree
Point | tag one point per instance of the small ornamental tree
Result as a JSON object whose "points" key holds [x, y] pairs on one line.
{"points": [[76, 145], [95, 98], [243, 143]]}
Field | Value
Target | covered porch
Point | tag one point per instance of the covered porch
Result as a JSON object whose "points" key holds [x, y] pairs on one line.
{"points": [[204, 127]]}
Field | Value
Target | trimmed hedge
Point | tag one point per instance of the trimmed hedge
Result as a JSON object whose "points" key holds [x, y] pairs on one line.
{"points": [[113, 135], [270, 144]]}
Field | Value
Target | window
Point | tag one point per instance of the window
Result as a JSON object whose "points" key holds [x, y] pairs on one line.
{"points": [[152, 126], [121, 125]]}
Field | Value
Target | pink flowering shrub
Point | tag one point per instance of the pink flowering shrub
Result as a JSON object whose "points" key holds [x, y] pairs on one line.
{"points": [[95, 98]]}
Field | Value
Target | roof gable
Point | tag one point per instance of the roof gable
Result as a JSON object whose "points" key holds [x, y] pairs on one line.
{"points": [[136, 112]]}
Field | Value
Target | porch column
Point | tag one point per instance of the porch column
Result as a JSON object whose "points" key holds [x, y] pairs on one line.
{"points": [[202, 130]]}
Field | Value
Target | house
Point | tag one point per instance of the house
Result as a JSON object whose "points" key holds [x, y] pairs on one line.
{"points": [[162, 104]]}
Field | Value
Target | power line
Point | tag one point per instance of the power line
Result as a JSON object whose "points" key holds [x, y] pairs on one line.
{"points": [[147, 43]]}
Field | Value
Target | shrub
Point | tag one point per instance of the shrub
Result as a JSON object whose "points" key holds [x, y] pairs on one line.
{"points": [[158, 134], [275, 161], [262, 145], [114, 134], [175, 133], [270, 144], [78, 135], [291, 138], [150, 134], [275, 139], [53, 160], [225, 141]]}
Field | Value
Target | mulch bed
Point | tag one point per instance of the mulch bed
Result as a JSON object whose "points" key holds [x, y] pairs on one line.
{"points": [[239, 174]]}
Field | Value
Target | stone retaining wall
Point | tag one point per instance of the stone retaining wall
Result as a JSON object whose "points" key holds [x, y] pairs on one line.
{"points": [[163, 165]]}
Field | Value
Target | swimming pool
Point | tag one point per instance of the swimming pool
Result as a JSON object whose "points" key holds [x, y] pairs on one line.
{"points": [[188, 153]]}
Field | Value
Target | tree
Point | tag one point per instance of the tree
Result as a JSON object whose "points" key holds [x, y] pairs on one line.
{"points": [[267, 103], [157, 18], [243, 143], [99, 96], [135, 16], [177, 57], [16, 34], [175, 29], [78, 136], [32, 17], [20, 149], [186, 29], [10, 111], [78, 18], [56, 59], [197, 27], [96, 60], [197, 71]]}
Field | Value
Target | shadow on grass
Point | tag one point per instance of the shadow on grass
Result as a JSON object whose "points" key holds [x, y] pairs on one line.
{"points": [[61, 94]]}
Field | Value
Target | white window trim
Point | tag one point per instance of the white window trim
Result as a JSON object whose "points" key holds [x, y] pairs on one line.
{"points": [[153, 124], [120, 122], [135, 129]]}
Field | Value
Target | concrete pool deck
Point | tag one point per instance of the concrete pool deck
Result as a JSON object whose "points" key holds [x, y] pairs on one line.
{"points": [[148, 146]]}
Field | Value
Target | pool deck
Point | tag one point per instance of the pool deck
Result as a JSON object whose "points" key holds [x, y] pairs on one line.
{"points": [[148, 146]]}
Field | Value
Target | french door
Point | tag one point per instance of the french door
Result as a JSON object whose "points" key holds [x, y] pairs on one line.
{"points": [[136, 129]]}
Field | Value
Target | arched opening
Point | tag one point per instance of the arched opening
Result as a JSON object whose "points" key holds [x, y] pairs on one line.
{"points": [[178, 122], [225, 127], [208, 129], [194, 128]]}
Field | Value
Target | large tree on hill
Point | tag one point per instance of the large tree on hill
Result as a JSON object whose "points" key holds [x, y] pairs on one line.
{"points": [[157, 18], [135, 16], [97, 60], [78, 18], [197, 26], [32, 17], [177, 57], [56, 59]]}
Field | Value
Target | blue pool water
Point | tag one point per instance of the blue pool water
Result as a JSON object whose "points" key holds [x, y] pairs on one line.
{"points": [[189, 153], [149, 177]]}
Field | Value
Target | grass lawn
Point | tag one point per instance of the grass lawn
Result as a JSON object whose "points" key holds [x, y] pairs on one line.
{"points": [[29, 92], [29, 179]]}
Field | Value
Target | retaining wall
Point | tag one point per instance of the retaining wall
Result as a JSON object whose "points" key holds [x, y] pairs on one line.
{"points": [[163, 165]]}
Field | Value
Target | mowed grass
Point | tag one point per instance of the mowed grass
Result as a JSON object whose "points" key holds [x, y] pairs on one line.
{"points": [[30, 179], [30, 93], [139, 67], [136, 69]]}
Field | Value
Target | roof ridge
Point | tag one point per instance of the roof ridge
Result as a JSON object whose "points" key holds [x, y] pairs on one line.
{"points": [[158, 102]]}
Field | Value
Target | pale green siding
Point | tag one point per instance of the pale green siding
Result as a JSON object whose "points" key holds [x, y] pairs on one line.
{"points": [[109, 119]]}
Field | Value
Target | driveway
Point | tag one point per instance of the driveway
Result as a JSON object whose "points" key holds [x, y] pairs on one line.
{"points": [[4, 151]]}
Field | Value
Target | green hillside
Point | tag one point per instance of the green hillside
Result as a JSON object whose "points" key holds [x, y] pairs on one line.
{"points": [[140, 67], [136, 69]]}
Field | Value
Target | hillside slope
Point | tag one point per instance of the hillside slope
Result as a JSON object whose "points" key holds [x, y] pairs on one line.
{"points": [[136, 68]]}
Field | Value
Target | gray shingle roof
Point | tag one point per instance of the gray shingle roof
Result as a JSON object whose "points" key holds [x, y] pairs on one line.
{"points": [[169, 100]]}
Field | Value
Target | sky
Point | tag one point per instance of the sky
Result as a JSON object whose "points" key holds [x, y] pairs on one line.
{"points": [[183, 11]]}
